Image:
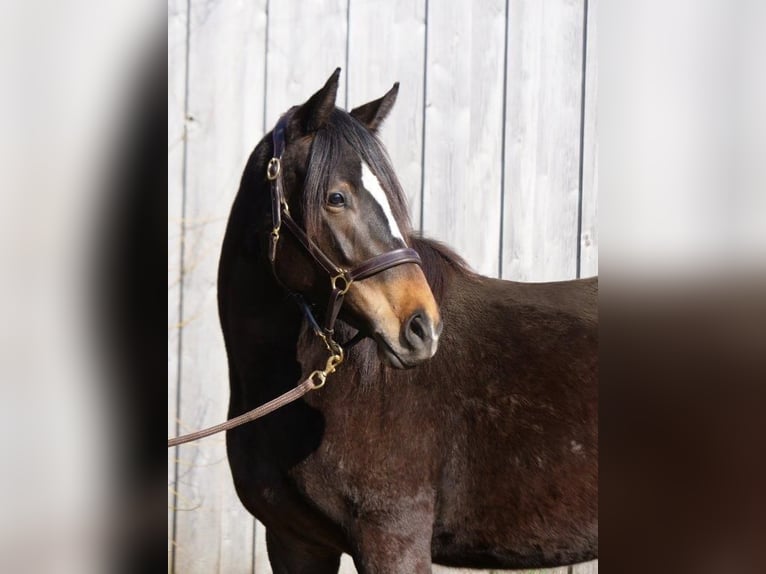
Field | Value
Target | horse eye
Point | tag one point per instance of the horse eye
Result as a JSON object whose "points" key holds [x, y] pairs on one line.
{"points": [[336, 199]]}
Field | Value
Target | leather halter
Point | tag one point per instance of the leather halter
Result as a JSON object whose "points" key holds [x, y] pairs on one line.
{"points": [[340, 281], [340, 278]]}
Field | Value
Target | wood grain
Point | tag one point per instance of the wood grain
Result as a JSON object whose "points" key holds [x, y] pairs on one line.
{"points": [[226, 75], [542, 157], [463, 130], [387, 45], [586, 568], [589, 225], [306, 42], [176, 90]]}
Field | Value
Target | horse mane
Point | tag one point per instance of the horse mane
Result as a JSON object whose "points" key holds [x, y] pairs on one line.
{"points": [[439, 263]]}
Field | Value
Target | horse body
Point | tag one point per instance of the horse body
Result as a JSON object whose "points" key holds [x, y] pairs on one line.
{"points": [[484, 455]]}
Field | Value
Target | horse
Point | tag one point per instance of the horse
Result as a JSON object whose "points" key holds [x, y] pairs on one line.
{"points": [[461, 427]]}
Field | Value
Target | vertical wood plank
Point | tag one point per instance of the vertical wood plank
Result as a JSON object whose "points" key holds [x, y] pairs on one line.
{"points": [[444, 570], [225, 105], [589, 211], [589, 225], [589, 221], [463, 130], [586, 568], [176, 82], [261, 564], [307, 41], [347, 565], [373, 67], [542, 160], [463, 134], [437, 569]]}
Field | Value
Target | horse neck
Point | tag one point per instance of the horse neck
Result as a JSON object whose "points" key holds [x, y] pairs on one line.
{"points": [[250, 298]]}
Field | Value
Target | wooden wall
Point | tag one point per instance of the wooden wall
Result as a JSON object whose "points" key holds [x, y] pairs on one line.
{"points": [[494, 137]]}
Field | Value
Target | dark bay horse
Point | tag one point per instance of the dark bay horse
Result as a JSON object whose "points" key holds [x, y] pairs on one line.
{"points": [[461, 429]]}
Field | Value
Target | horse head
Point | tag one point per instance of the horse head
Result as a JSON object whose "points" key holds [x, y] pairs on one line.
{"points": [[341, 192]]}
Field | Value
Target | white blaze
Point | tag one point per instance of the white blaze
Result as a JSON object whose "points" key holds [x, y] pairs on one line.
{"points": [[371, 184]]}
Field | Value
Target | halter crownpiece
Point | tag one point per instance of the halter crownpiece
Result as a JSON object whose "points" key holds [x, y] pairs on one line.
{"points": [[340, 279]]}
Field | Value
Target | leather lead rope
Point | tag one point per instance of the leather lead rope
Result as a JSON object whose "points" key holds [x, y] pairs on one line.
{"points": [[292, 395], [315, 380]]}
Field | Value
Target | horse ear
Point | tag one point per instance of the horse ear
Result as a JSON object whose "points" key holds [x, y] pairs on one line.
{"points": [[313, 114], [373, 113]]}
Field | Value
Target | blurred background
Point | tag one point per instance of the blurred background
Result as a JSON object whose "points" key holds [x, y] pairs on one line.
{"points": [[515, 120]]}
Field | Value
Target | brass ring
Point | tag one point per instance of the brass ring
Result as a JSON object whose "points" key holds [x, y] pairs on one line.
{"points": [[273, 169], [322, 376], [346, 282]]}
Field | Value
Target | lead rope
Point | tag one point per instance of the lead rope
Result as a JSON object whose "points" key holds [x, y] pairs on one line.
{"points": [[315, 380], [280, 401]]}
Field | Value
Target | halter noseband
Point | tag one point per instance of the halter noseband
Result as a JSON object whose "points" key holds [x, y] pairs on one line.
{"points": [[340, 279]]}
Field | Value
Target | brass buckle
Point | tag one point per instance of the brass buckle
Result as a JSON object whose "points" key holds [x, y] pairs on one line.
{"points": [[275, 234], [273, 169], [321, 376], [332, 347], [333, 362], [346, 282]]}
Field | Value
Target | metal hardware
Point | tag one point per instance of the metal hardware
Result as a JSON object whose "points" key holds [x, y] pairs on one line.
{"points": [[332, 346], [273, 169], [346, 282], [332, 363]]}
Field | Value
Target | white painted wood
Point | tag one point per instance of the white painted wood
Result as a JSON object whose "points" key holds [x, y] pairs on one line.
{"points": [[436, 569], [542, 139], [226, 88], [347, 565], [444, 570], [589, 232], [261, 558], [176, 81], [386, 45], [586, 568], [463, 141], [307, 41], [589, 225], [589, 235]]}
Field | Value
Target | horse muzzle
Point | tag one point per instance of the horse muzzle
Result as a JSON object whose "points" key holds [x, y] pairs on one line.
{"points": [[417, 342]]}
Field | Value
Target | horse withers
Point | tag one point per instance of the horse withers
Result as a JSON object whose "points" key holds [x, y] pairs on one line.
{"points": [[461, 427]]}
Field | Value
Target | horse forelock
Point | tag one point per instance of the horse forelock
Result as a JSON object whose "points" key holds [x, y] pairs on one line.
{"points": [[325, 157]]}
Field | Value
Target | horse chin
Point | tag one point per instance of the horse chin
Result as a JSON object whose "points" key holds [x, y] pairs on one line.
{"points": [[388, 355]]}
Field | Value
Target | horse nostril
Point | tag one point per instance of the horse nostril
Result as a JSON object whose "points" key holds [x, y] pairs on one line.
{"points": [[416, 331], [417, 327]]}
